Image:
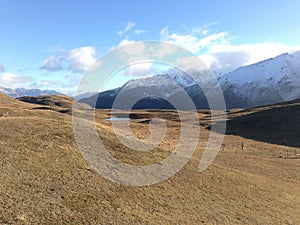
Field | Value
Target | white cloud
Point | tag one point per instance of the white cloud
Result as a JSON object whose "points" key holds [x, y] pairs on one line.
{"points": [[216, 51], [202, 30], [225, 58], [163, 50], [187, 63], [125, 41], [96, 66], [140, 31], [131, 51], [76, 60], [10, 79], [144, 50], [53, 63], [139, 69], [164, 33], [205, 32], [194, 41], [81, 59], [128, 27]]}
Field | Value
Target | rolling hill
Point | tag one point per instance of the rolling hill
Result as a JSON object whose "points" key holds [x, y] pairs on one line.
{"points": [[45, 179]]}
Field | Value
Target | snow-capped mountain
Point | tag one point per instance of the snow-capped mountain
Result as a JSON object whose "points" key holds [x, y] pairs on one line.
{"points": [[19, 92], [267, 82], [270, 81], [155, 90], [174, 77]]}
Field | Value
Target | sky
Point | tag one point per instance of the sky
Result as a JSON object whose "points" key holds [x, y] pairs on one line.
{"points": [[50, 44]]}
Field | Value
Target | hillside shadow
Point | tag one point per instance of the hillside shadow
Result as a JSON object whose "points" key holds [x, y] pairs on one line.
{"points": [[280, 125]]}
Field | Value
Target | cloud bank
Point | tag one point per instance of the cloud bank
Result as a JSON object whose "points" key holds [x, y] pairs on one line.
{"points": [[217, 51]]}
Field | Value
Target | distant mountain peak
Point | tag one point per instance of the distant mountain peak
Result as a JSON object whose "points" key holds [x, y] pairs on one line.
{"points": [[20, 92]]}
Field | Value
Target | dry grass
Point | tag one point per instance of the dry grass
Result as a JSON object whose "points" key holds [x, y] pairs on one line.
{"points": [[45, 180]]}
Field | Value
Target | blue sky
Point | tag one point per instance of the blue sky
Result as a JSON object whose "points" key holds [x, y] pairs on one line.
{"points": [[49, 44]]}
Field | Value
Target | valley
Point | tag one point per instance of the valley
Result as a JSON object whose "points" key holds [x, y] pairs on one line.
{"points": [[45, 179], [149, 112]]}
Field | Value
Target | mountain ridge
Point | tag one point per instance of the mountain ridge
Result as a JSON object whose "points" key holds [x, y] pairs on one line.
{"points": [[269, 81], [20, 92]]}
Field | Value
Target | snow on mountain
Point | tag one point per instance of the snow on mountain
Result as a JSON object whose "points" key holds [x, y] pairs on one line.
{"points": [[19, 92], [159, 85], [176, 76], [168, 84], [267, 82], [270, 81]]}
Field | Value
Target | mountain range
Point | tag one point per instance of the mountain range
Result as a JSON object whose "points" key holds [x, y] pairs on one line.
{"points": [[267, 82], [19, 92]]}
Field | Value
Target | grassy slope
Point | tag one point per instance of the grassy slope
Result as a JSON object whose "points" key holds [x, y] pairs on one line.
{"points": [[45, 180]]}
